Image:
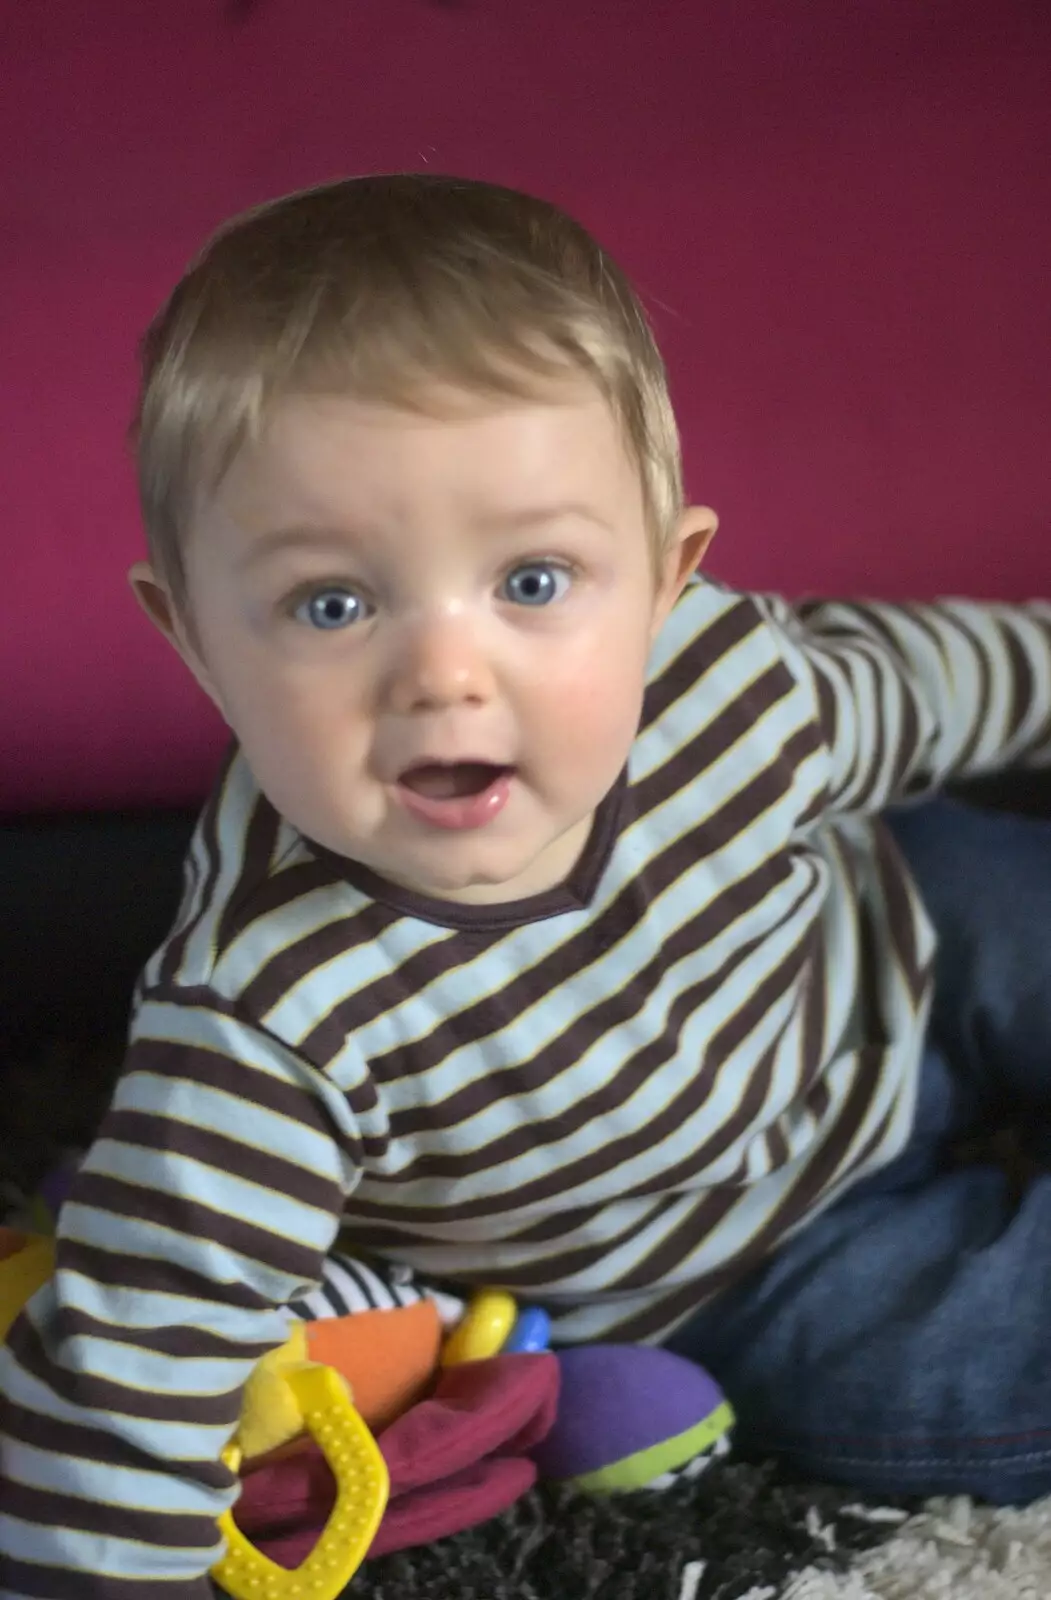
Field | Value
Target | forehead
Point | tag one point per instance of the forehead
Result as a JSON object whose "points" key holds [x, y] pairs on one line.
{"points": [[318, 454]]}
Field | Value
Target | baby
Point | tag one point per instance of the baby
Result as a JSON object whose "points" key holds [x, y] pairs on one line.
{"points": [[542, 929]]}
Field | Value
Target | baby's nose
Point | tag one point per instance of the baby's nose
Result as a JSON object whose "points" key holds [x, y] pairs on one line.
{"points": [[439, 661]]}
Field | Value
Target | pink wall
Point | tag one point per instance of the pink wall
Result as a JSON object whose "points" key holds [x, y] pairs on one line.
{"points": [[837, 209]]}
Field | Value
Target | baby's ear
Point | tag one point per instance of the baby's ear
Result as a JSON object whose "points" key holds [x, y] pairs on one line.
{"points": [[156, 600], [686, 551]]}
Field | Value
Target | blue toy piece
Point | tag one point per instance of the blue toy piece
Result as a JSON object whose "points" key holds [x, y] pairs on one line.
{"points": [[531, 1334]]}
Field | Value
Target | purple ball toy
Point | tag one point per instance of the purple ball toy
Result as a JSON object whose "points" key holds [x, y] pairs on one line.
{"points": [[632, 1417]]}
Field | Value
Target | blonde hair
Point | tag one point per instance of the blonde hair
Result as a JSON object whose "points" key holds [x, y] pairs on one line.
{"points": [[381, 287]]}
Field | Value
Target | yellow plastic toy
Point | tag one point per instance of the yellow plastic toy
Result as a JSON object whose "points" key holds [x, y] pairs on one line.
{"points": [[483, 1330], [271, 1414], [285, 1396], [362, 1486], [26, 1263]]}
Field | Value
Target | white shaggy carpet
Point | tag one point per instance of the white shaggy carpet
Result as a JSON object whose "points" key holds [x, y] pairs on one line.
{"points": [[953, 1550]]}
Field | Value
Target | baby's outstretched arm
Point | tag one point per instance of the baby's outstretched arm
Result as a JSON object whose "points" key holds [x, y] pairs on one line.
{"points": [[911, 697], [208, 1201]]}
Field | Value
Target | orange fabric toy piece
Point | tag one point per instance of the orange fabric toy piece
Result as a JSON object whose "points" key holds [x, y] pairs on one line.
{"points": [[389, 1358]]}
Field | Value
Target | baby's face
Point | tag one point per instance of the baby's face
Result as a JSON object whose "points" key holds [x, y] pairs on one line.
{"points": [[430, 634]]}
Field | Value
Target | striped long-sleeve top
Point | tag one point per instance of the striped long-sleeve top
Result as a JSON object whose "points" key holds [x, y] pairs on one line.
{"points": [[614, 1097]]}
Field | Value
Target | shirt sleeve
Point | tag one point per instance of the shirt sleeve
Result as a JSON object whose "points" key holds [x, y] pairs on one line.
{"points": [[208, 1201], [911, 697]]}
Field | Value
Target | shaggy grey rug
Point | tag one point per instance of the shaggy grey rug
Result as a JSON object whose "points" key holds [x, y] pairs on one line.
{"points": [[740, 1533]]}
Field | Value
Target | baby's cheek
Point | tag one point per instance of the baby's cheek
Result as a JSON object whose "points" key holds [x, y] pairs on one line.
{"points": [[593, 712], [308, 755]]}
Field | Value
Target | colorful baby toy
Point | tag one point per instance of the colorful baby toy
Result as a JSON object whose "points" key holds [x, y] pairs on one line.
{"points": [[299, 1396], [463, 1404], [26, 1263], [361, 1479], [484, 1330], [632, 1417]]}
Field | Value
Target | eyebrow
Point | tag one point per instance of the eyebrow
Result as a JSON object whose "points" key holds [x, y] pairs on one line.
{"points": [[329, 540], [277, 540], [538, 516]]}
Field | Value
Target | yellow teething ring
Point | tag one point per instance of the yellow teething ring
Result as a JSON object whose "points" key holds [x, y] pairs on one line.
{"points": [[362, 1486], [483, 1330]]}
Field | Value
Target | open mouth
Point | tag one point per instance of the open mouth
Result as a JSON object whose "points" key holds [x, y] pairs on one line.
{"points": [[455, 795], [454, 780]]}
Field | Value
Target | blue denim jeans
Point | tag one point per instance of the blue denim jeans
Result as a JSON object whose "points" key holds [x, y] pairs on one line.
{"points": [[902, 1340]]}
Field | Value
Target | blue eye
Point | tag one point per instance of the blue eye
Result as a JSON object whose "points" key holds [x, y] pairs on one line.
{"points": [[329, 609], [536, 583]]}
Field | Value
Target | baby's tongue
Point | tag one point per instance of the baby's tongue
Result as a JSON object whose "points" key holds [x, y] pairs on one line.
{"points": [[451, 782]]}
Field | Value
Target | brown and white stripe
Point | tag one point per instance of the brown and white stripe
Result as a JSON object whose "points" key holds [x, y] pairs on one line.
{"points": [[614, 1104]]}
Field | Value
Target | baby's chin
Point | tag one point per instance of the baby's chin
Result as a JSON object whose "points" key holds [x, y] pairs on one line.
{"points": [[472, 880], [470, 886], [454, 874], [522, 857], [499, 880]]}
